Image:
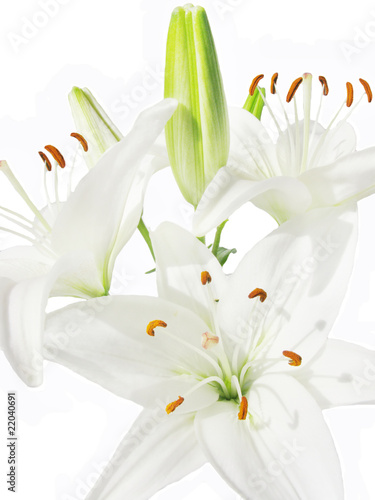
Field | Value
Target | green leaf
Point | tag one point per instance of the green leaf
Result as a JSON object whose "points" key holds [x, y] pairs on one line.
{"points": [[223, 254]]}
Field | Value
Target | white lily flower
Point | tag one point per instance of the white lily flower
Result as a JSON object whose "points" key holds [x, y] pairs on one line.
{"points": [[232, 370], [74, 243], [308, 167]]}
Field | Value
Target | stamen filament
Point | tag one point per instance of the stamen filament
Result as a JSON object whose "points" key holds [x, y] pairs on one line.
{"points": [[206, 381], [4, 167], [307, 81], [201, 353]]}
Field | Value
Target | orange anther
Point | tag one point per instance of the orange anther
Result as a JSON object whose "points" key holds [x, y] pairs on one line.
{"points": [[153, 324], [258, 292], [254, 84]]}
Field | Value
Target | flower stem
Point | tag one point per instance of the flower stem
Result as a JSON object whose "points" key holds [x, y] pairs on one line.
{"points": [[216, 244], [146, 236]]}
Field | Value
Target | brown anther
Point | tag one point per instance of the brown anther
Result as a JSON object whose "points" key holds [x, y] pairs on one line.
{"points": [[367, 88], [294, 359], [350, 94], [153, 324], [46, 161], [81, 139], [324, 83], [172, 406], [274, 78], [56, 155], [254, 84], [258, 292], [242, 414], [293, 88], [205, 277]]}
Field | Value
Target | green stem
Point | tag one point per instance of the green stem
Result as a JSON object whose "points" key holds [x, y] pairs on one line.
{"points": [[202, 239], [216, 244], [146, 236]]}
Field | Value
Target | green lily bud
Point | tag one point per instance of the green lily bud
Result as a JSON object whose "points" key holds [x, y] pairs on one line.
{"points": [[255, 103], [197, 135], [93, 123]]}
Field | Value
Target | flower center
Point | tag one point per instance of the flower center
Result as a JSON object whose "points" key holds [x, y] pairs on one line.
{"points": [[38, 231], [230, 381], [304, 142]]}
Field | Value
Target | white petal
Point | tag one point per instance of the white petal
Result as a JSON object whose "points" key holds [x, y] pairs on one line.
{"points": [[349, 179], [105, 209], [180, 260], [341, 374], [284, 451], [159, 450], [23, 262], [252, 153], [22, 320], [338, 143], [324, 147], [105, 340], [282, 197], [304, 267]]}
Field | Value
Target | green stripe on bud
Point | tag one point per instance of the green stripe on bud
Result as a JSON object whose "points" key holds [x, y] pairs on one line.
{"points": [[255, 103], [93, 123], [197, 135]]}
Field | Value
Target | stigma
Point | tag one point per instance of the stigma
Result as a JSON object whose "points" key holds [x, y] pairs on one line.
{"points": [[175, 404], [153, 324], [294, 359], [209, 340], [242, 414]]}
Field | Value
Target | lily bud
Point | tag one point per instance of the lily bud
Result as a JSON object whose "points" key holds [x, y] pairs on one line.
{"points": [[255, 103], [93, 123], [197, 135]]}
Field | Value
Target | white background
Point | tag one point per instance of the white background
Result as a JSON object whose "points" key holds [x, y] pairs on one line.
{"points": [[69, 427]]}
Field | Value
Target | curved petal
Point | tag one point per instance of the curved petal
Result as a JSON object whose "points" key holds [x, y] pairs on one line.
{"points": [[23, 262], [325, 147], [304, 267], [284, 450], [180, 260], [282, 197], [111, 194], [341, 374], [105, 340], [22, 321], [157, 451], [349, 179], [252, 153]]}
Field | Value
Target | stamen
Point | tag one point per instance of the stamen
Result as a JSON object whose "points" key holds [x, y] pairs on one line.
{"points": [[350, 94], [46, 161], [242, 414], [172, 406], [254, 84], [153, 324], [295, 359], [81, 139], [367, 88], [293, 88], [324, 83], [274, 78], [209, 340], [258, 292], [205, 277], [56, 155], [4, 167]]}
